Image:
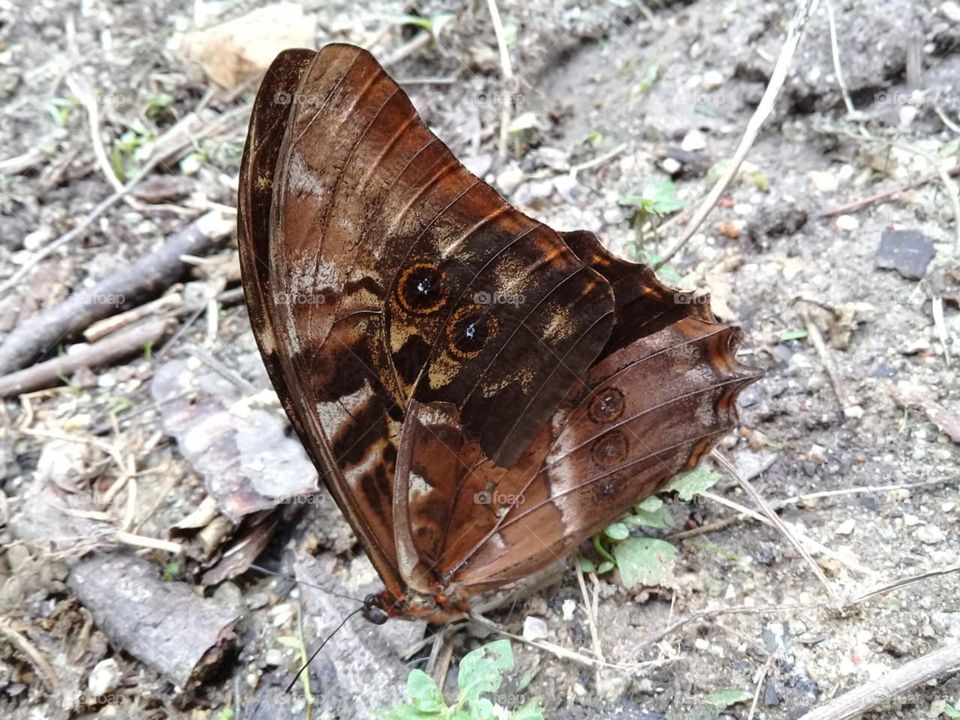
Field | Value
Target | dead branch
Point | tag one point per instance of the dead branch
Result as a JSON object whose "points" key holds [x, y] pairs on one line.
{"points": [[916, 672], [163, 624], [144, 279], [111, 349]]}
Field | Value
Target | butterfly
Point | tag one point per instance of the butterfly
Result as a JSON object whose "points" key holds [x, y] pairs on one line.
{"points": [[480, 392]]}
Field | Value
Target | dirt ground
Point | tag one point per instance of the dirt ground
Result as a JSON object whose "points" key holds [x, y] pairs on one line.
{"points": [[650, 91]]}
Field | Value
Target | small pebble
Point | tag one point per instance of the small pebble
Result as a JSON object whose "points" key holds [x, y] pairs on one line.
{"points": [[712, 79], [569, 608], [911, 520], [817, 454], [847, 222], [951, 11], [273, 657], [930, 535], [693, 140], [846, 527], [104, 677], [908, 113], [824, 181], [509, 179], [534, 628], [670, 166]]}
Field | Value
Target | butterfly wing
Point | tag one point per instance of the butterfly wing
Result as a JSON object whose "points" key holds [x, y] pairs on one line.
{"points": [[381, 275]]}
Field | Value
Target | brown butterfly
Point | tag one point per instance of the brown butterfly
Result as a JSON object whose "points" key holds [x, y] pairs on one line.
{"points": [[480, 392]]}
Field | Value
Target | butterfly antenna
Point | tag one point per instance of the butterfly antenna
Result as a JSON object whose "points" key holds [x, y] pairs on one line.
{"points": [[265, 571], [315, 652]]}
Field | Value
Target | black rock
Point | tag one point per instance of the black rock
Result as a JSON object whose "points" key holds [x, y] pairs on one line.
{"points": [[906, 251]]}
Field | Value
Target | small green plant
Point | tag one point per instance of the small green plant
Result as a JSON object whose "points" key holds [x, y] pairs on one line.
{"points": [[645, 84], [658, 199], [127, 149], [655, 202], [480, 673], [433, 25], [159, 108], [171, 571], [644, 560], [60, 110]]}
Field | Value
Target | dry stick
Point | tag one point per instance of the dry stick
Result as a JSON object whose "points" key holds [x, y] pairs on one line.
{"points": [[904, 582], [47, 673], [764, 109], [761, 677], [813, 332], [84, 94], [818, 547], [506, 70], [589, 609], [835, 50], [774, 518], [784, 502], [111, 349], [146, 277], [916, 672]]}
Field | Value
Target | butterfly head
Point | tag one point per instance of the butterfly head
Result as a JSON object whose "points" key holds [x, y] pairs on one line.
{"points": [[374, 610]]}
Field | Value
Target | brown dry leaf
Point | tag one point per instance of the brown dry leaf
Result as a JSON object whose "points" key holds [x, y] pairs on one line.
{"points": [[911, 395], [241, 48]]}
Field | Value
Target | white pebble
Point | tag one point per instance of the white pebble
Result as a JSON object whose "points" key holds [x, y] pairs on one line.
{"points": [[930, 535], [712, 79], [104, 677], [693, 141], [846, 527], [534, 628], [847, 222]]}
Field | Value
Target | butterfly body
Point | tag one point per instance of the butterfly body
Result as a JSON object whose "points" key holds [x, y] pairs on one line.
{"points": [[480, 392]]}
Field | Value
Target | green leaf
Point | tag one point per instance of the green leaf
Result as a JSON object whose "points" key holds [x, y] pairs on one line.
{"points": [[617, 531], [722, 699], [645, 561], [424, 694], [480, 670], [225, 714], [594, 138], [587, 566], [171, 570], [663, 198], [951, 712], [792, 334], [290, 642], [651, 513], [690, 483], [605, 567]]}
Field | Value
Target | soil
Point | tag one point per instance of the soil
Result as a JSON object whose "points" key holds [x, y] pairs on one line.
{"points": [[637, 83]]}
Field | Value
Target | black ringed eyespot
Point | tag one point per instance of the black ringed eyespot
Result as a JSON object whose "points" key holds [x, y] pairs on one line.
{"points": [[421, 289], [469, 330]]}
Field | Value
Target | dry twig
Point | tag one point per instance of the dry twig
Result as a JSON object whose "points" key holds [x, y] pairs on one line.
{"points": [[805, 9]]}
